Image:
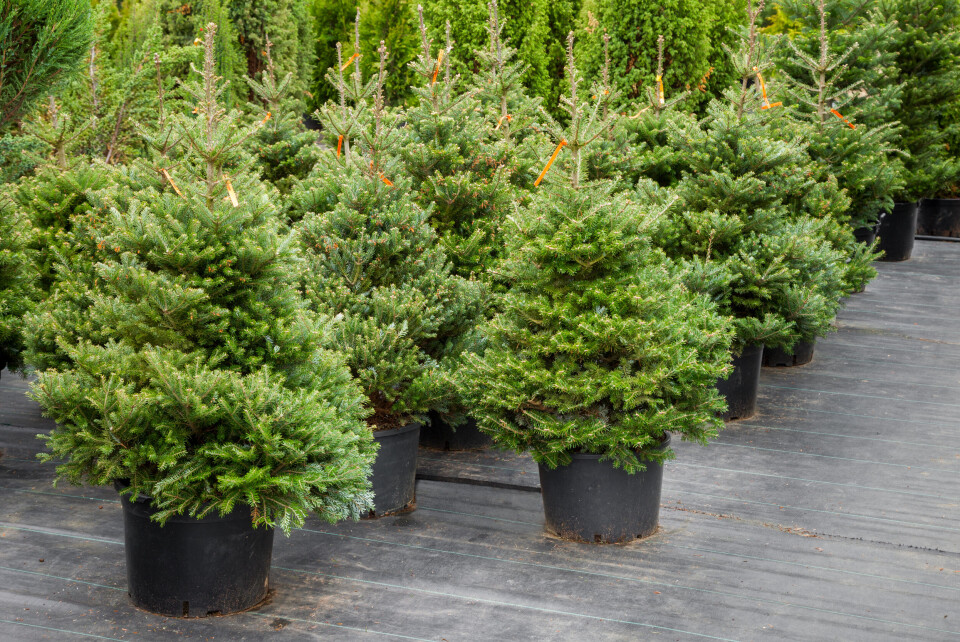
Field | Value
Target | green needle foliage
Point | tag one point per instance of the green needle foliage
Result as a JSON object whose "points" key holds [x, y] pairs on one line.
{"points": [[458, 174], [285, 152], [862, 157], [42, 42], [375, 262], [744, 233], [928, 49], [598, 346], [202, 382], [18, 291]]}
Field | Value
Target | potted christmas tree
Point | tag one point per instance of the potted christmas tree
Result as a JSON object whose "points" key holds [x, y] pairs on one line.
{"points": [[374, 261], [598, 352], [743, 230], [202, 391], [460, 176], [929, 62]]}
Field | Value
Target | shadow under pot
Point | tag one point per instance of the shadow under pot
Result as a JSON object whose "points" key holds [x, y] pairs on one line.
{"points": [[193, 567], [395, 469], [741, 387], [896, 232], [589, 500], [442, 436], [939, 217], [802, 353]]}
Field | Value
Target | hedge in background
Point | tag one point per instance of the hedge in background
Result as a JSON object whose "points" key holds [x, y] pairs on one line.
{"points": [[41, 43], [694, 31]]}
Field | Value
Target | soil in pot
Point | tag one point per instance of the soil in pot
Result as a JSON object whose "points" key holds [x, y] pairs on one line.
{"points": [[589, 500], [395, 469], [897, 230], [939, 217], [801, 353], [741, 387], [442, 436], [195, 567]]}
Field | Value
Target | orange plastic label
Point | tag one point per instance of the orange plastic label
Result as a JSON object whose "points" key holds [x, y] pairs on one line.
{"points": [[550, 162], [508, 118], [437, 70], [170, 180], [838, 115], [349, 61], [339, 144], [232, 194]]}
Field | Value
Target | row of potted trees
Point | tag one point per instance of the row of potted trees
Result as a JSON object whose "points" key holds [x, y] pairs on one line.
{"points": [[238, 328]]}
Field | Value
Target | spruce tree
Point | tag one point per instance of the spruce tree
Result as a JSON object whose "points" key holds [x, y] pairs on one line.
{"points": [[598, 347], [203, 383], [374, 261]]}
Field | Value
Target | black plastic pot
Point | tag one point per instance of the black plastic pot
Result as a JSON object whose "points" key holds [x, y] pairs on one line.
{"points": [[441, 435], [589, 500], [740, 388], [395, 469], [865, 235], [896, 232], [777, 357], [195, 567], [939, 217]]}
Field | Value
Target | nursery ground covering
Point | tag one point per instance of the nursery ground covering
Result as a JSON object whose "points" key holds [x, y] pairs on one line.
{"points": [[832, 514]]}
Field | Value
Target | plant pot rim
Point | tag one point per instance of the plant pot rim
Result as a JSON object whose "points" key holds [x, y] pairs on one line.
{"points": [[397, 431], [240, 512], [580, 455]]}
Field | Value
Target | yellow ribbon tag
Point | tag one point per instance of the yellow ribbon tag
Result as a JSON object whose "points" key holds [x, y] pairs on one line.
{"points": [[550, 162], [660, 88]]}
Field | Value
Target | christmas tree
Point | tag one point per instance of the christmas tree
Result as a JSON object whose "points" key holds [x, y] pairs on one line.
{"points": [[375, 261], [744, 231], [928, 49], [459, 176], [861, 157], [284, 151], [598, 346], [18, 290], [205, 384]]}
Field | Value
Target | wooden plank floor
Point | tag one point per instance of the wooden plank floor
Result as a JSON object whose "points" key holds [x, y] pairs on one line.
{"points": [[834, 514]]}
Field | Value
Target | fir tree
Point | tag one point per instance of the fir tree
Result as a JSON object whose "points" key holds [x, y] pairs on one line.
{"points": [[42, 42], [458, 175], [598, 346], [928, 49], [285, 152], [745, 234], [18, 290], [862, 158], [374, 260], [204, 383]]}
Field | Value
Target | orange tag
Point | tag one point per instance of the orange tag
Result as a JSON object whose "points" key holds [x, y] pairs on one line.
{"points": [[232, 194], [172, 184], [837, 114], [550, 162], [508, 118], [437, 70], [763, 91], [339, 144], [660, 89], [385, 180], [349, 60], [265, 119]]}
